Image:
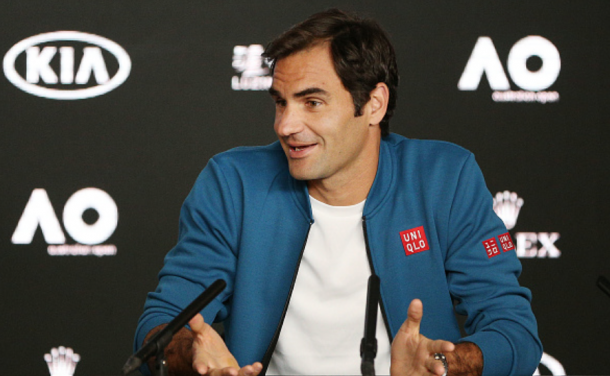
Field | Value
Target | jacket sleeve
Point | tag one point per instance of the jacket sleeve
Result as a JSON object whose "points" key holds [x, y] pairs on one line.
{"points": [[483, 281], [206, 251]]}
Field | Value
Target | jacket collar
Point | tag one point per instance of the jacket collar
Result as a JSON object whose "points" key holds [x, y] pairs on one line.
{"points": [[382, 184], [384, 178]]}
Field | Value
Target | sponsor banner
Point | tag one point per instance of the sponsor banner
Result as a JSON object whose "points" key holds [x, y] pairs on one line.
{"points": [[62, 361], [252, 70], [39, 212], [507, 206], [485, 60], [29, 65]]}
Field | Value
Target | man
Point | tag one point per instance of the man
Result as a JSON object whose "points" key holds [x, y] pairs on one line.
{"points": [[295, 229]]}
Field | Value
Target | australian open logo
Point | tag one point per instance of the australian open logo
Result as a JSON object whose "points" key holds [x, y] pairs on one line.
{"points": [[66, 65], [533, 64], [90, 217], [252, 70]]}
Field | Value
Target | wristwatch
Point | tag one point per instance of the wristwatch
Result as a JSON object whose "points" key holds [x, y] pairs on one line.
{"points": [[442, 358]]}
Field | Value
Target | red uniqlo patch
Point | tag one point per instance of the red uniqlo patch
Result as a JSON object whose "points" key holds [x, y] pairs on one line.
{"points": [[491, 247], [414, 240], [506, 242]]}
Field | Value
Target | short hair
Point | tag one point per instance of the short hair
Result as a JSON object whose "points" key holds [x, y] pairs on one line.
{"points": [[361, 51]]}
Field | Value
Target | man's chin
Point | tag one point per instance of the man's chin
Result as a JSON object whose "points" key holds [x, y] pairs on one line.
{"points": [[302, 174], [299, 175]]}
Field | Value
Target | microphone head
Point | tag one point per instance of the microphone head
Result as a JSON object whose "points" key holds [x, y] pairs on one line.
{"points": [[367, 368], [132, 364]]}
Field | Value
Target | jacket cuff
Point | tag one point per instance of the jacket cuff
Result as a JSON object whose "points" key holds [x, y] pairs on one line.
{"points": [[143, 329], [146, 327], [497, 352]]}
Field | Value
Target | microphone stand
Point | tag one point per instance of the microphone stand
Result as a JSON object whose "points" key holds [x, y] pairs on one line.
{"points": [[603, 284], [161, 363], [157, 344], [368, 345]]}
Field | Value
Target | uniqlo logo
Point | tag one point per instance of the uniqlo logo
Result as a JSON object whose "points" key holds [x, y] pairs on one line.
{"points": [[491, 247], [414, 240], [506, 242]]}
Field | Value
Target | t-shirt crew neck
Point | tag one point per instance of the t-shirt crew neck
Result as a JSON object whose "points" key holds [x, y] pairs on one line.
{"points": [[324, 323]]}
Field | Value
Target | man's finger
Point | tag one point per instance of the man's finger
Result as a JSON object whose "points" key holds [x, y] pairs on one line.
{"points": [[200, 368], [435, 367], [414, 316], [230, 371], [246, 371], [257, 368], [197, 323], [440, 346], [227, 371], [251, 370]]}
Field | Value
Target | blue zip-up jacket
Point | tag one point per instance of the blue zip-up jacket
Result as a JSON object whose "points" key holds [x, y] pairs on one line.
{"points": [[246, 221]]}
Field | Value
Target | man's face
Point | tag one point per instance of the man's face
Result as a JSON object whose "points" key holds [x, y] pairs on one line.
{"points": [[315, 122]]}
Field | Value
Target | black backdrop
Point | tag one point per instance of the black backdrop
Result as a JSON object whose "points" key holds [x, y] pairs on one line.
{"points": [[144, 143]]}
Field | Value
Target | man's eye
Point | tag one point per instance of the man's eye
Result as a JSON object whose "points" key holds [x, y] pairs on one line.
{"points": [[280, 103], [314, 103]]}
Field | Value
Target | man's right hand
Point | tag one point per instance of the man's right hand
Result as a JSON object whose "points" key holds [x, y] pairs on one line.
{"points": [[200, 351], [211, 357]]}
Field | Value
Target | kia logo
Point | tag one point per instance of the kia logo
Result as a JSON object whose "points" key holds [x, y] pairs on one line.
{"points": [[39, 51]]}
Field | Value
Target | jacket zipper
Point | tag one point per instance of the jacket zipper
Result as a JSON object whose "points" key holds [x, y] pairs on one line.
{"points": [[370, 257], [276, 336]]}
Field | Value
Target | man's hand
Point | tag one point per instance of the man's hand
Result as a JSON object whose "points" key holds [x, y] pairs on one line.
{"points": [[211, 357], [200, 351], [412, 353]]}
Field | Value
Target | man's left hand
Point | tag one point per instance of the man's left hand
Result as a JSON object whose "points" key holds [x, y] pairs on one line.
{"points": [[412, 353]]}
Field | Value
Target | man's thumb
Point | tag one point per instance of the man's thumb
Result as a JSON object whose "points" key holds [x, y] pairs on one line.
{"points": [[197, 323], [414, 316]]}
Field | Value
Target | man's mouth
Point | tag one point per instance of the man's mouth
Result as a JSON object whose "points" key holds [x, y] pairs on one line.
{"points": [[300, 150]]}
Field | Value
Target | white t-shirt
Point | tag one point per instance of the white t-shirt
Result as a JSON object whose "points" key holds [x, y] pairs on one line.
{"points": [[324, 323]]}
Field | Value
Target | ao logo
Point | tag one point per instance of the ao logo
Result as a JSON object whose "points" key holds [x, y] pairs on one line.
{"points": [[551, 364], [39, 212], [38, 66], [484, 59]]}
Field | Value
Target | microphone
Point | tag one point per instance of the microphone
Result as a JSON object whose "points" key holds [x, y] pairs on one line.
{"points": [[368, 345], [603, 284], [160, 340]]}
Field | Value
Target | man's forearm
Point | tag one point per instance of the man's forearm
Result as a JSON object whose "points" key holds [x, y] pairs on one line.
{"points": [[465, 360], [179, 353]]}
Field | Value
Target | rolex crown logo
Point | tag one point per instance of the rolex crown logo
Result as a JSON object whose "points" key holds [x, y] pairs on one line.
{"points": [[62, 361], [507, 206]]}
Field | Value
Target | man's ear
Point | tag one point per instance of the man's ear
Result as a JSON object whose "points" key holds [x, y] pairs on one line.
{"points": [[378, 103]]}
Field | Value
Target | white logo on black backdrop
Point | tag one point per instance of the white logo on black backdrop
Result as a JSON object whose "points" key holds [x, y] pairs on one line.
{"points": [[484, 59], [507, 206], [37, 57], [551, 364], [62, 361], [252, 70], [39, 212]]}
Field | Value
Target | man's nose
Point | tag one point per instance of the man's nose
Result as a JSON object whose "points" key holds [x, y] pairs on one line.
{"points": [[288, 121]]}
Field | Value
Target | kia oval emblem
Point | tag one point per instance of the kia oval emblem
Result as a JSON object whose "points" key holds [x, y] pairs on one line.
{"points": [[39, 65]]}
